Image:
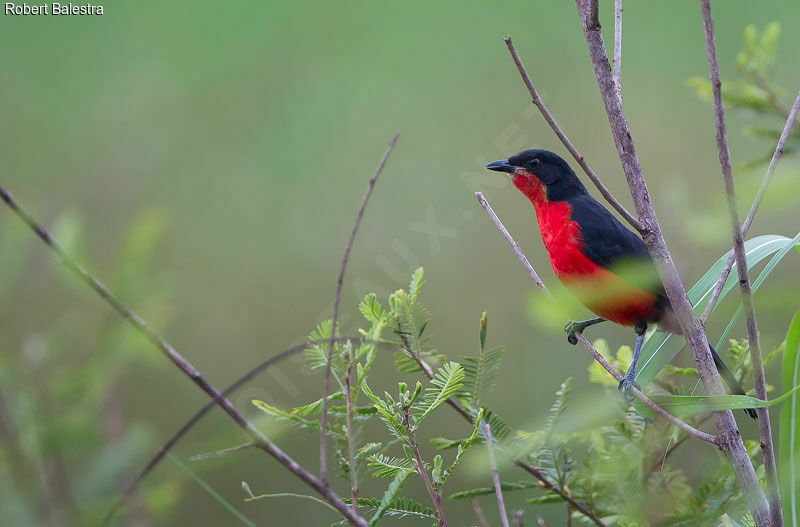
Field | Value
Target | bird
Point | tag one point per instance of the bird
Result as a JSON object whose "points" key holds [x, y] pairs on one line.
{"points": [[597, 258]]}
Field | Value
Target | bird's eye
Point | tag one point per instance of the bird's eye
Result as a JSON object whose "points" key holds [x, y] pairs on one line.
{"points": [[535, 163]]}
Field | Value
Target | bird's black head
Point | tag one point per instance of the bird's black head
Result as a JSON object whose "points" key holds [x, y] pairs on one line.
{"points": [[544, 166]]}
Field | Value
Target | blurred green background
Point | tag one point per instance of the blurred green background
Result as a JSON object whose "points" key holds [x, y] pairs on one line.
{"points": [[207, 160]]}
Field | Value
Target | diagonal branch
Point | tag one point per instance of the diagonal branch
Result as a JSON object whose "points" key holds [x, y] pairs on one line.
{"points": [[730, 440], [183, 430], [323, 449], [686, 427], [537, 101], [599, 358], [764, 426], [514, 245], [261, 441], [787, 129]]}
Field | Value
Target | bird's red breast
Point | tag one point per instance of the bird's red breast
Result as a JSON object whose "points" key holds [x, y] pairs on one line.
{"points": [[599, 289]]}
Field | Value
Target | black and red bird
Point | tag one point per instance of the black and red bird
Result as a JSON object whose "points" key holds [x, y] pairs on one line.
{"points": [[605, 264]]}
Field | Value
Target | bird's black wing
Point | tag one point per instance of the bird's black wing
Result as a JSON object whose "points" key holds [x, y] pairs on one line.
{"points": [[606, 241]]}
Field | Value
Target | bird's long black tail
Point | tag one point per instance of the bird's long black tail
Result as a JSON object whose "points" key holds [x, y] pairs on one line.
{"points": [[730, 380]]}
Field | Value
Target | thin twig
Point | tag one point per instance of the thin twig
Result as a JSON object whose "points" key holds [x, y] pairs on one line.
{"points": [[537, 101], [222, 452], [519, 517], [323, 448], [514, 245], [617, 73], [422, 471], [730, 440], [261, 441], [776, 156], [686, 427], [538, 474], [498, 488], [765, 428], [476, 508], [351, 456]]}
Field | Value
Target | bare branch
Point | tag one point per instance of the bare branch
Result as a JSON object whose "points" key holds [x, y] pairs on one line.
{"points": [[765, 428], [476, 508], [260, 440], [162, 452], [537, 101], [514, 245], [323, 447], [519, 517], [498, 488], [787, 128], [689, 429], [617, 74], [730, 440]]}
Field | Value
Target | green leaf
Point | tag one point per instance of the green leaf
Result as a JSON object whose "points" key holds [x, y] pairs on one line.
{"points": [[481, 371], [679, 405], [789, 441], [759, 281], [371, 309], [662, 347], [388, 467], [415, 286], [286, 416], [399, 507], [504, 486], [559, 405], [447, 381], [389, 496], [463, 447], [316, 406]]}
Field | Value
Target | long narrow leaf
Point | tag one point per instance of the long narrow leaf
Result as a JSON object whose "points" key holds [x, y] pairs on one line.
{"points": [[662, 347], [789, 441], [679, 405]]}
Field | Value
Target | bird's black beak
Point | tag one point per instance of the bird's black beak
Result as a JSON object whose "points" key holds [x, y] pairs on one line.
{"points": [[501, 166]]}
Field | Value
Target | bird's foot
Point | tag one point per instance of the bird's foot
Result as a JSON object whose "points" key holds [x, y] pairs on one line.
{"points": [[572, 327], [626, 385]]}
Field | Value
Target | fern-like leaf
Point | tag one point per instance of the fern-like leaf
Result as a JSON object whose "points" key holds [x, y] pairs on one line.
{"points": [[388, 467], [389, 496], [447, 381]]}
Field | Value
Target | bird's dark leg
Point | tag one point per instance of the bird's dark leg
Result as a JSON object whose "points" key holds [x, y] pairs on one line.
{"points": [[640, 328], [577, 326]]}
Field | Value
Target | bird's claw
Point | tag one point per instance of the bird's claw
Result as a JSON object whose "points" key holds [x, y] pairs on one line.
{"points": [[571, 328], [626, 385]]}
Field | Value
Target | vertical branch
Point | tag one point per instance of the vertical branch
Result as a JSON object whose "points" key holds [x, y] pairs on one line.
{"points": [[765, 428], [498, 489], [730, 439], [548, 117], [350, 430], [519, 517], [323, 447], [617, 73], [776, 156]]}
